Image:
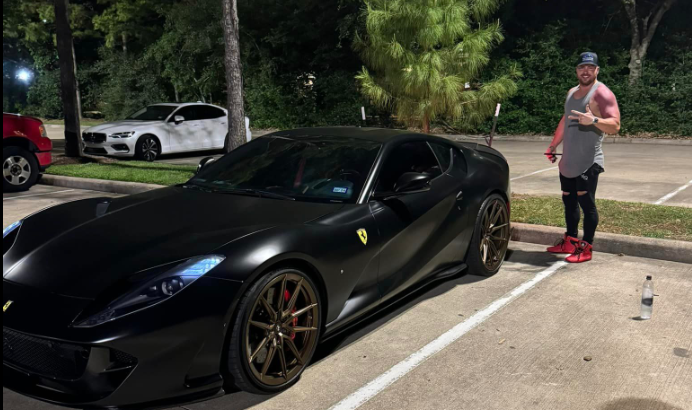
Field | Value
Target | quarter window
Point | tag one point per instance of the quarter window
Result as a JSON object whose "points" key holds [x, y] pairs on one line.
{"points": [[444, 155]]}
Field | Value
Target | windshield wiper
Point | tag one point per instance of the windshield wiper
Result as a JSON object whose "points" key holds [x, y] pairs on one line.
{"points": [[258, 192], [239, 191], [196, 187]]}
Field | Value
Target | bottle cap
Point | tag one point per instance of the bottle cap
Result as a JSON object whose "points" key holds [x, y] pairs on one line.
{"points": [[649, 278]]}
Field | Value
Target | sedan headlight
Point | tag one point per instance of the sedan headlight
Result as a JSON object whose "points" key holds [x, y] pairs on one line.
{"points": [[11, 229], [123, 134], [155, 291]]}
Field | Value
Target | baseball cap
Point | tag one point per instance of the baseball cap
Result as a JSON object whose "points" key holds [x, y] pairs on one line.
{"points": [[588, 58]]}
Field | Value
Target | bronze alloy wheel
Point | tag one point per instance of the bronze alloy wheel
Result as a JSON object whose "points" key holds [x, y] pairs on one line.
{"points": [[282, 330], [495, 235]]}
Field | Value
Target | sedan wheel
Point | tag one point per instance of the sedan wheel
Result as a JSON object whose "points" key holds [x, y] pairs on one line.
{"points": [[148, 149], [280, 332], [491, 237]]}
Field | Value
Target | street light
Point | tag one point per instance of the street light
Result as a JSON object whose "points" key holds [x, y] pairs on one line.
{"points": [[24, 75]]}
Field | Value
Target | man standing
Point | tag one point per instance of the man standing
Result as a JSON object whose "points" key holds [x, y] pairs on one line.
{"points": [[591, 111]]}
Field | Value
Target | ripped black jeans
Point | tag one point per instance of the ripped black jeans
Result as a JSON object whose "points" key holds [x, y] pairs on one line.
{"points": [[587, 182]]}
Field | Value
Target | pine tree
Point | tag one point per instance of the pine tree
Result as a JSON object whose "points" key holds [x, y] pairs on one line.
{"points": [[424, 59]]}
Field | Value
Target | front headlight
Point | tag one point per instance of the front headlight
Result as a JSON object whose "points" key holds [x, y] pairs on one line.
{"points": [[42, 130], [11, 229], [123, 134], [155, 291]]}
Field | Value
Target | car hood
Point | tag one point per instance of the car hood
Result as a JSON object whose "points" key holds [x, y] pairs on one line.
{"points": [[121, 126], [82, 248]]}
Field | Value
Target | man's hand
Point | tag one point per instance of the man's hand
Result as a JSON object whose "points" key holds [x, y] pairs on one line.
{"points": [[549, 154], [586, 118]]}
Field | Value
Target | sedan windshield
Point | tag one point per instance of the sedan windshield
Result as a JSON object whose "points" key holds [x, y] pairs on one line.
{"points": [[153, 113], [316, 169]]}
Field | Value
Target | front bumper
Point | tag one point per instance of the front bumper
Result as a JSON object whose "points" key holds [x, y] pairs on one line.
{"points": [[113, 147], [165, 356], [45, 159]]}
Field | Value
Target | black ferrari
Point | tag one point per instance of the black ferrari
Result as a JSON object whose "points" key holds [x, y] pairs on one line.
{"points": [[232, 279]]}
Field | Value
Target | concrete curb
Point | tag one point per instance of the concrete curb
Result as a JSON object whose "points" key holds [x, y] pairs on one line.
{"points": [[662, 249], [608, 140], [115, 187]]}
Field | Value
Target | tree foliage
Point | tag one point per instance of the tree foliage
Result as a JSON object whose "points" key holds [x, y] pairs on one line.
{"points": [[424, 58], [299, 63]]}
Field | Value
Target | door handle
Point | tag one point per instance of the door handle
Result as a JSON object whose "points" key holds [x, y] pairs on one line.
{"points": [[460, 196]]}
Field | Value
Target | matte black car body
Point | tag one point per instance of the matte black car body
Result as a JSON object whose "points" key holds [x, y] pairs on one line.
{"points": [[62, 263]]}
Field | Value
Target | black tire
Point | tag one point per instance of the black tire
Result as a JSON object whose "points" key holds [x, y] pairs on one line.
{"points": [[480, 260], [20, 169], [239, 365], [148, 148]]}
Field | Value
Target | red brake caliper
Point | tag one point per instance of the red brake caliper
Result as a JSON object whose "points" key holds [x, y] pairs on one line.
{"points": [[287, 296]]}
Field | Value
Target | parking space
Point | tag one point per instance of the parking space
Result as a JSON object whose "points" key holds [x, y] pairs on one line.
{"points": [[538, 335], [649, 173]]}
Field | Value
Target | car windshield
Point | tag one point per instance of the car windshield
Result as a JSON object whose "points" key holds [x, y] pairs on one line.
{"points": [[153, 113], [315, 169]]}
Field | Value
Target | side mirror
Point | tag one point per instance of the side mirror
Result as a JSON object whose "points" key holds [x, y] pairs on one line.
{"points": [[179, 119], [408, 184], [413, 182], [204, 163]]}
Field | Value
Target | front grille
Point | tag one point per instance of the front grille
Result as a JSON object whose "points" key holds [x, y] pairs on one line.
{"points": [[94, 137], [44, 357], [122, 359]]}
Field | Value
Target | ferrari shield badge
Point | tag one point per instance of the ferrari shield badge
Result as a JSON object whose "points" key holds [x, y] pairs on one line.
{"points": [[7, 306], [363, 235]]}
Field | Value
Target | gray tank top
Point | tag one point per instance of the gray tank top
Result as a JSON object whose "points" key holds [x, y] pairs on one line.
{"points": [[582, 145]]}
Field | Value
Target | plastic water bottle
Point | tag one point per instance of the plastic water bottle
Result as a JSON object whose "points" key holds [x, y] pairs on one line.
{"points": [[647, 299]]}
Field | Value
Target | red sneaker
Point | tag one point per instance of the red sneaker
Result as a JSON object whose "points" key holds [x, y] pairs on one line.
{"points": [[566, 245], [584, 253]]}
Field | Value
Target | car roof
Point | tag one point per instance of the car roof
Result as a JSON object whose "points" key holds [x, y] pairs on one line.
{"points": [[383, 136], [380, 135], [183, 105]]}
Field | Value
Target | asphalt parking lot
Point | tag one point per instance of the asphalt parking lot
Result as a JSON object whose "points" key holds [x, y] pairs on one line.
{"points": [[649, 173], [539, 335]]}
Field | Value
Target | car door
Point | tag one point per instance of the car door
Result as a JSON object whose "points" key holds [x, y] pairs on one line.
{"points": [[416, 230], [214, 128], [184, 135]]}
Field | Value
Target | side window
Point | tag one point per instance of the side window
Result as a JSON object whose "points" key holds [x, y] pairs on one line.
{"points": [[190, 113], [408, 157], [206, 112], [444, 155], [459, 161]]}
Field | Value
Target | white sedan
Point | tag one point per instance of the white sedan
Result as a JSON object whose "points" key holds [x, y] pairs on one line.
{"points": [[160, 129]]}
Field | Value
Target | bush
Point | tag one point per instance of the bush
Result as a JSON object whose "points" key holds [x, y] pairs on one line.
{"points": [[302, 101]]}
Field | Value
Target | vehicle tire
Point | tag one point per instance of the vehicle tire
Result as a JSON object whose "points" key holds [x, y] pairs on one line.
{"points": [[268, 354], [20, 169], [148, 148], [490, 238]]}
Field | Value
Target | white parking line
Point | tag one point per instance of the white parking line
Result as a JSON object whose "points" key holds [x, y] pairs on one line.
{"points": [[397, 372], [672, 194], [31, 196], [535, 173]]}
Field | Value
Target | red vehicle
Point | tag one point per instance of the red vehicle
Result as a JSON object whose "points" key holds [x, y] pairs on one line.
{"points": [[26, 152]]}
